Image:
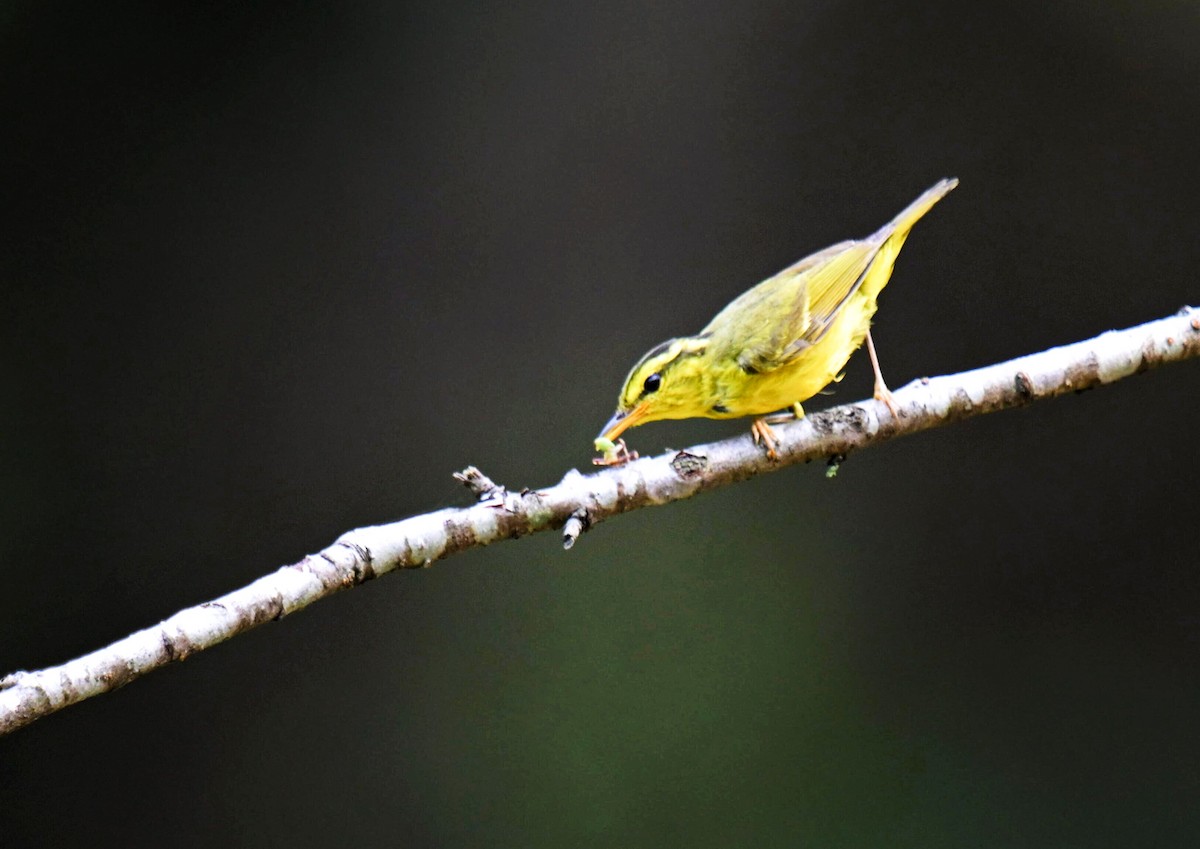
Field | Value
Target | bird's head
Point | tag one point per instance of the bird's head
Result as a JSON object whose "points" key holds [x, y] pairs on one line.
{"points": [[669, 382]]}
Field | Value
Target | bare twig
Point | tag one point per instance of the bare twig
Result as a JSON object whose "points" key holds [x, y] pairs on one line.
{"points": [[579, 502]]}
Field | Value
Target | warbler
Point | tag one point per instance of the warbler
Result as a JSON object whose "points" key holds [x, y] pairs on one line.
{"points": [[774, 346]]}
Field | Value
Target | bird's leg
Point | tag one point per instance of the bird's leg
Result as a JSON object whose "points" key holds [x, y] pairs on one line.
{"points": [[763, 435], [882, 393], [761, 430], [797, 412]]}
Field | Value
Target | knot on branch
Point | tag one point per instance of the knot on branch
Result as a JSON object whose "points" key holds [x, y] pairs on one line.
{"points": [[688, 465], [1023, 383]]}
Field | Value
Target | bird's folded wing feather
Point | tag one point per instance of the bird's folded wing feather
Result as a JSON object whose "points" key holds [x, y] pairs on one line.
{"points": [[797, 306]]}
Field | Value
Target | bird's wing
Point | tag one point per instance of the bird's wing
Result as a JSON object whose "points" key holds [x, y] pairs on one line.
{"points": [[796, 306]]}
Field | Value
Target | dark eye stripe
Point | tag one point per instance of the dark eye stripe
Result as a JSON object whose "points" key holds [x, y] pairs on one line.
{"points": [[660, 348], [653, 354]]}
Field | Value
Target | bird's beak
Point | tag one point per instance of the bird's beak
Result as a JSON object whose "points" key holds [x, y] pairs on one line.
{"points": [[622, 421]]}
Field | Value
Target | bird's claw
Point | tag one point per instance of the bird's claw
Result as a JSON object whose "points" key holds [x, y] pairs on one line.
{"points": [[763, 435], [882, 393]]}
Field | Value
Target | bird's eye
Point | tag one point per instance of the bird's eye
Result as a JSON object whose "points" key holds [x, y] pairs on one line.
{"points": [[652, 383]]}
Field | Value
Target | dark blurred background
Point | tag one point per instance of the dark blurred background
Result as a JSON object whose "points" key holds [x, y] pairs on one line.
{"points": [[271, 273]]}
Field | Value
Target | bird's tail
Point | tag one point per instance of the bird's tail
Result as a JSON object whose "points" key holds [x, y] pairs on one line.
{"points": [[890, 238], [911, 214]]}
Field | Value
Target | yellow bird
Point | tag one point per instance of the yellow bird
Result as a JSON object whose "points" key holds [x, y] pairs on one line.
{"points": [[776, 345]]}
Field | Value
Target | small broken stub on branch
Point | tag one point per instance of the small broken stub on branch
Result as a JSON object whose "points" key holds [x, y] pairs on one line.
{"points": [[480, 484], [576, 524]]}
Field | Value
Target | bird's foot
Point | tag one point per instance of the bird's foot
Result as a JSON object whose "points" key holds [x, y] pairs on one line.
{"points": [[882, 393], [763, 435]]}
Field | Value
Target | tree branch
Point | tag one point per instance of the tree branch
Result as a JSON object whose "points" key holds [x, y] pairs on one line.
{"points": [[580, 501]]}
